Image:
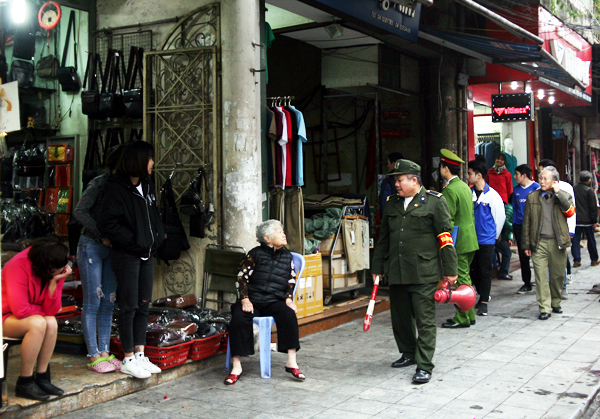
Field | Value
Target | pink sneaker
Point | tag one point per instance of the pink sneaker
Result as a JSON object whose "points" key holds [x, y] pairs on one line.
{"points": [[101, 365], [114, 361]]}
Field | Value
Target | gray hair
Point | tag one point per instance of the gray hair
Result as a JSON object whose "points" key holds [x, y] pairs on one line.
{"points": [[553, 171], [409, 177], [584, 176], [266, 228]]}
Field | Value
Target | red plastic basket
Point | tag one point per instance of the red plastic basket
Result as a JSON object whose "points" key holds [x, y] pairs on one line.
{"points": [[203, 348], [163, 357], [224, 342]]}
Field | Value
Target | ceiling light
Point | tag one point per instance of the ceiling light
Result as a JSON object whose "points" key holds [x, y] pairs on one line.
{"points": [[334, 30], [514, 85], [541, 94], [19, 11], [551, 100], [527, 89]]}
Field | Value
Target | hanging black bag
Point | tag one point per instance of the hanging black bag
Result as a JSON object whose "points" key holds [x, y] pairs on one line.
{"points": [[23, 72], [92, 165], [24, 43], [30, 161], [176, 240], [47, 67], [132, 97], [191, 200], [111, 101], [90, 99], [67, 76]]}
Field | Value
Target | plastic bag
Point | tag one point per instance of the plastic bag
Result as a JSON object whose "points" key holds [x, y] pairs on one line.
{"points": [[163, 337]]}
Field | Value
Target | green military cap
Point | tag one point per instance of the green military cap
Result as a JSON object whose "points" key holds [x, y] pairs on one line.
{"points": [[406, 167], [450, 158]]}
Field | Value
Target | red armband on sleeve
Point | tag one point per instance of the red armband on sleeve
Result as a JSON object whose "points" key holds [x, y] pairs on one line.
{"points": [[445, 239], [570, 212]]}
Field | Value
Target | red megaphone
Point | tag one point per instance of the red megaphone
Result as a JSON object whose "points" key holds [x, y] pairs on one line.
{"points": [[463, 297]]}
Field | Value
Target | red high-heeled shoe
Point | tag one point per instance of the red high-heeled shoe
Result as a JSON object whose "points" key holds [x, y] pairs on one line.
{"points": [[295, 373], [233, 378]]}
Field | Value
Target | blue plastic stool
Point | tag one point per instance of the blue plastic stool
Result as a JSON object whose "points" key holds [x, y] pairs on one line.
{"points": [[264, 328]]}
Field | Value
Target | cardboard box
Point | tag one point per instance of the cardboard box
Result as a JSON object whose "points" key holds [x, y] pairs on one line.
{"points": [[300, 298], [313, 285], [340, 274], [326, 245]]}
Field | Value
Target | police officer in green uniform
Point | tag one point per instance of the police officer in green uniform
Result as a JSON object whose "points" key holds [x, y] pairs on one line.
{"points": [[460, 202], [414, 252]]}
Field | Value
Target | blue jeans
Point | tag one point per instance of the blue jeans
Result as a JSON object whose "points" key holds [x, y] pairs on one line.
{"points": [[504, 249], [99, 291], [591, 240]]}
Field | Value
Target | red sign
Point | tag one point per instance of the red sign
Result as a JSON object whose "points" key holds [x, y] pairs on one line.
{"points": [[511, 110]]}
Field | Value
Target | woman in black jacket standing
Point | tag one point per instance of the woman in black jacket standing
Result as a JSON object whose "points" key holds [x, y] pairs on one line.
{"points": [[130, 220]]}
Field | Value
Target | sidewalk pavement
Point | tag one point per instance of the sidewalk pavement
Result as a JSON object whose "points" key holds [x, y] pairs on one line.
{"points": [[510, 365]]}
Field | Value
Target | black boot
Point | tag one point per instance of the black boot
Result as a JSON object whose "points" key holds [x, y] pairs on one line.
{"points": [[42, 379], [28, 389]]}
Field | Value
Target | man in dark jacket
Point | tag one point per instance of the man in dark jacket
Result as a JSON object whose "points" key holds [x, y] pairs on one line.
{"points": [[587, 219], [546, 239]]}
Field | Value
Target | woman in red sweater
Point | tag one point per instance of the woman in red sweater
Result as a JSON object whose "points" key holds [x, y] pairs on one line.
{"points": [[500, 179], [32, 283]]}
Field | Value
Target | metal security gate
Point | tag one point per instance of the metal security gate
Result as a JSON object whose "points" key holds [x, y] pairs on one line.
{"points": [[182, 105]]}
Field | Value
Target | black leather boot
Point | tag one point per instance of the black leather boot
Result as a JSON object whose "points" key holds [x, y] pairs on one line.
{"points": [[42, 379], [28, 389]]}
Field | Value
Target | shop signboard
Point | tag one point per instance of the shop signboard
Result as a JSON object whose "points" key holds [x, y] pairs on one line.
{"points": [[400, 17], [512, 107]]}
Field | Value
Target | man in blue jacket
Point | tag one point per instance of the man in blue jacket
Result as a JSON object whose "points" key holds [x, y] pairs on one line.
{"points": [[489, 220]]}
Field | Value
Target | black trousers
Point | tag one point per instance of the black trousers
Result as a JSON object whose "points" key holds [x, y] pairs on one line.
{"points": [[481, 271], [241, 336], [134, 292], [523, 258]]}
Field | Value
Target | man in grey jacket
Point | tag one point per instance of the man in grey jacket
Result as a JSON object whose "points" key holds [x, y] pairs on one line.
{"points": [[587, 219], [546, 239]]}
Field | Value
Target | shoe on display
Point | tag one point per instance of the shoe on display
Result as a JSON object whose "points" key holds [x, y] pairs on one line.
{"points": [[524, 289], [135, 369], [148, 366]]}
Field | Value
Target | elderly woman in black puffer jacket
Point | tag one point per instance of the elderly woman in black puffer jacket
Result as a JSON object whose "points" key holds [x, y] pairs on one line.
{"points": [[265, 284]]}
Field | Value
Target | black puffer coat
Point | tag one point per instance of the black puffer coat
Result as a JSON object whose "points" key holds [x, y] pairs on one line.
{"points": [[129, 220], [272, 271]]}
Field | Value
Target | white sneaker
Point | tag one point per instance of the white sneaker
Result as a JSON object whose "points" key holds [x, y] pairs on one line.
{"points": [[135, 368], [569, 279], [145, 363]]}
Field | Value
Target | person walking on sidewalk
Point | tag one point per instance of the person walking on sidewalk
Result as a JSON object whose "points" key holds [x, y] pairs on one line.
{"points": [[564, 186], [587, 219], [460, 202], [524, 187], [546, 239], [129, 219], [414, 251], [489, 219]]}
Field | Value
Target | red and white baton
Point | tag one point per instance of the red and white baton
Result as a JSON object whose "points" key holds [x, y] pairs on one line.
{"points": [[371, 307]]}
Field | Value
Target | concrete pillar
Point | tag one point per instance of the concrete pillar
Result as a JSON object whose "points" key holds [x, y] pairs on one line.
{"points": [[241, 121]]}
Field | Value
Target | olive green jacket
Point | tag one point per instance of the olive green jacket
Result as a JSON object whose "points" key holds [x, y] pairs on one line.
{"points": [[408, 251], [459, 198], [532, 220]]}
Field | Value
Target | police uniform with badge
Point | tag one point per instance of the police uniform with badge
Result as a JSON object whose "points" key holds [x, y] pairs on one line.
{"points": [[459, 198], [414, 252]]}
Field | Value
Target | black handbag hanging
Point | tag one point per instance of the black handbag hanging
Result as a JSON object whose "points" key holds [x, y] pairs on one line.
{"points": [[90, 99], [92, 165], [24, 43], [132, 97], [111, 101], [22, 72], [67, 76], [47, 67]]}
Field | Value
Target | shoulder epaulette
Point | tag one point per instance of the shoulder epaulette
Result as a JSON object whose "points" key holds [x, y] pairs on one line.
{"points": [[434, 193], [391, 197]]}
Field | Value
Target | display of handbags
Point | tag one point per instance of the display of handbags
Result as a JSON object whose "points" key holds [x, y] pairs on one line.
{"points": [[47, 67], [90, 99], [111, 100], [67, 75]]}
